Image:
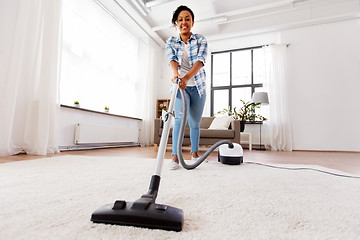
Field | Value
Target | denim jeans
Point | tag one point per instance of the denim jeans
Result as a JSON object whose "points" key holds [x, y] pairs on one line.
{"points": [[195, 105]]}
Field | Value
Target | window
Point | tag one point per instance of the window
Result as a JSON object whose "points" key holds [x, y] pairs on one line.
{"points": [[99, 60], [235, 75]]}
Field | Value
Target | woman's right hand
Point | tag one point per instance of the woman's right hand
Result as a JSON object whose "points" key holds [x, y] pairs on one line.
{"points": [[175, 77], [182, 83]]}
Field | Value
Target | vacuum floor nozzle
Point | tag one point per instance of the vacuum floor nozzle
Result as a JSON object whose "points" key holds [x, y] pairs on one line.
{"points": [[155, 216]]}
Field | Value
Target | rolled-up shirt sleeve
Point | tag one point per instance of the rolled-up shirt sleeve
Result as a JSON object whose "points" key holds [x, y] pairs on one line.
{"points": [[170, 51], [203, 49]]}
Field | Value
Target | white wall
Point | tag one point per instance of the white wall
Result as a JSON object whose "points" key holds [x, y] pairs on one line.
{"points": [[323, 82], [68, 118], [163, 85]]}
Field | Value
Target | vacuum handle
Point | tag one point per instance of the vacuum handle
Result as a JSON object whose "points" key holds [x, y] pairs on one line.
{"points": [[166, 130]]}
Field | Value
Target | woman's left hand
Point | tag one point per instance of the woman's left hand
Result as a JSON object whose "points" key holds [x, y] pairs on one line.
{"points": [[183, 83]]}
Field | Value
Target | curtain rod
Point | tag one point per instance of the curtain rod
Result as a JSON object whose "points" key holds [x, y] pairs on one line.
{"points": [[249, 48]]}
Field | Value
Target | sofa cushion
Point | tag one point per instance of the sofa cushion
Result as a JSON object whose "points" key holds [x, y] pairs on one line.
{"points": [[221, 122], [207, 136], [208, 133], [217, 133]]}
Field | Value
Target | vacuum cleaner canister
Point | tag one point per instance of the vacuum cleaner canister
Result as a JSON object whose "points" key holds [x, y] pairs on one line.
{"points": [[230, 156]]}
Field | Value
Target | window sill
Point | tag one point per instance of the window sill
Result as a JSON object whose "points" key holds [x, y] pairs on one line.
{"points": [[93, 111]]}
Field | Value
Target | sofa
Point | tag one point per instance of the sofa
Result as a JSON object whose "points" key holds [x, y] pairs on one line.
{"points": [[207, 136]]}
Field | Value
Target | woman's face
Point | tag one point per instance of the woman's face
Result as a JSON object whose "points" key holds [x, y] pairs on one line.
{"points": [[185, 22]]}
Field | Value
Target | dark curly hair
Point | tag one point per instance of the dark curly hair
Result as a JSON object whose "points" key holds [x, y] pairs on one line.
{"points": [[177, 12]]}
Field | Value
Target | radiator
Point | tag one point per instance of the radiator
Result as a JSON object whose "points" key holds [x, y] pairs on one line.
{"points": [[104, 134]]}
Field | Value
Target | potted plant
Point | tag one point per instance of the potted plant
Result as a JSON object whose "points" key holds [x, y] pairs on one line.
{"points": [[246, 113], [107, 109], [76, 104]]}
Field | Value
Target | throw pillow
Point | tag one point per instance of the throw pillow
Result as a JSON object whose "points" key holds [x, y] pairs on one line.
{"points": [[222, 122]]}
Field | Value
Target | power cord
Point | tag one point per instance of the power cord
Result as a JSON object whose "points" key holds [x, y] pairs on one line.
{"points": [[304, 168]]}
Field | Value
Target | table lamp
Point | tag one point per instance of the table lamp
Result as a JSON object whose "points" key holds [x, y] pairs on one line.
{"points": [[260, 97]]}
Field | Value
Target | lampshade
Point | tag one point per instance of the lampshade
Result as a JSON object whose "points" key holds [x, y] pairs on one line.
{"points": [[260, 97]]}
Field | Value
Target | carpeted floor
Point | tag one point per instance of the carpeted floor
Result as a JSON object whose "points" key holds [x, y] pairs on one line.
{"points": [[53, 198]]}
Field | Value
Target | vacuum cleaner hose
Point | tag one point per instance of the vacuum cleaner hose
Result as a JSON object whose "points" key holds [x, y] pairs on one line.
{"points": [[181, 138]]}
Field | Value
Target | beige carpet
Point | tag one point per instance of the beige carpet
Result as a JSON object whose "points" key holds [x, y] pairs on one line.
{"points": [[53, 198]]}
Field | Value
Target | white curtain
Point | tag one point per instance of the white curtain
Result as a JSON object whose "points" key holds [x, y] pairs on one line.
{"points": [[149, 70], [29, 60], [279, 124]]}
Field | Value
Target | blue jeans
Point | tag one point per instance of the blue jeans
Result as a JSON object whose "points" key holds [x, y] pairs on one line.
{"points": [[195, 105]]}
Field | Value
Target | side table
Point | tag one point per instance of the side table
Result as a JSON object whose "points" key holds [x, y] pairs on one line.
{"points": [[249, 139], [259, 123]]}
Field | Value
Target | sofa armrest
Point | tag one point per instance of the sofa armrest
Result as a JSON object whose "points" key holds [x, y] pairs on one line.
{"points": [[157, 126], [235, 125], [157, 123]]}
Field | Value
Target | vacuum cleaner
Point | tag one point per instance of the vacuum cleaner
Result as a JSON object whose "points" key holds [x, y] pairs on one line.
{"points": [[145, 212]]}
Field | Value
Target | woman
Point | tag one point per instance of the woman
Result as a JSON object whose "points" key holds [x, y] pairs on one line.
{"points": [[186, 54]]}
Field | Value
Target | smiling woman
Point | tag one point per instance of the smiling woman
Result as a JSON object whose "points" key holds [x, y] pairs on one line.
{"points": [[186, 55]]}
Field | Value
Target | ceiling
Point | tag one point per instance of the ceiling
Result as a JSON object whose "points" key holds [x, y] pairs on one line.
{"points": [[228, 18]]}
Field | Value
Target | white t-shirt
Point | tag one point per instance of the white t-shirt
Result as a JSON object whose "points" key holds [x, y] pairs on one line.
{"points": [[185, 65]]}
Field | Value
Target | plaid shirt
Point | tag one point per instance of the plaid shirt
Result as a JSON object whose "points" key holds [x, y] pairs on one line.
{"points": [[198, 52]]}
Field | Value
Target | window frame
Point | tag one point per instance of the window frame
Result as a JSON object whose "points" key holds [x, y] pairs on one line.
{"points": [[230, 87]]}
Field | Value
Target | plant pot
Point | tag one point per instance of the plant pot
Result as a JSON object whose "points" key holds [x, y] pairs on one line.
{"points": [[242, 126], [77, 105]]}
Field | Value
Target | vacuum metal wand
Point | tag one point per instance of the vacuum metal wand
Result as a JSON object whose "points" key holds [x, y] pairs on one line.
{"points": [[166, 130]]}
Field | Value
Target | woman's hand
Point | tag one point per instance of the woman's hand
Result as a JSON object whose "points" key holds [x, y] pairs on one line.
{"points": [[183, 83], [177, 75]]}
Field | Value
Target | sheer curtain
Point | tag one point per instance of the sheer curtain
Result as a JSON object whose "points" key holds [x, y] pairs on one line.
{"points": [[148, 75], [279, 125], [29, 58]]}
